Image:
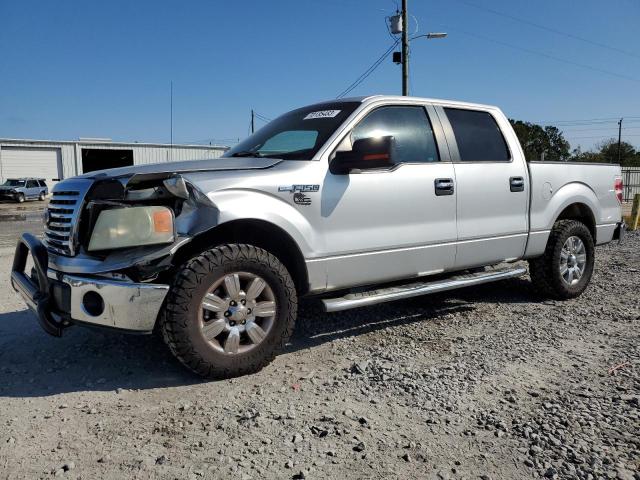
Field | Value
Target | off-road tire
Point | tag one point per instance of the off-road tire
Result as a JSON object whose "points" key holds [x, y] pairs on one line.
{"points": [[179, 321], [545, 270], [20, 198]]}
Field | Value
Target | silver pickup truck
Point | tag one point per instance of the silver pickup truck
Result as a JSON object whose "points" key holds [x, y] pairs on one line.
{"points": [[355, 202]]}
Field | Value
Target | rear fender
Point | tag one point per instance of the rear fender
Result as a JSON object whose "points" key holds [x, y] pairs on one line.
{"points": [[567, 195], [544, 213]]}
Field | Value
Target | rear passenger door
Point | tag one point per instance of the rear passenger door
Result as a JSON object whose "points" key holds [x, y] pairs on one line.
{"points": [[32, 189], [492, 187]]}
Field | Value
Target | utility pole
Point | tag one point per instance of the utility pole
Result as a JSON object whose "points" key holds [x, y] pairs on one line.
{"points": [[405, 49], [619, 140], [253, 123]]}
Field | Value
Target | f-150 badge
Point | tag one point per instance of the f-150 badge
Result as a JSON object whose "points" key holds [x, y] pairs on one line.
{"points": [[299, 188]]}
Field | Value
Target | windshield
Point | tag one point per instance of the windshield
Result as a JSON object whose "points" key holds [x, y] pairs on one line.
{"points": [[296, 135], [14, 183]]}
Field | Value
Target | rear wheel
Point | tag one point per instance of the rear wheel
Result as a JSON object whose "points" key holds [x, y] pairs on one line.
{"points": [[565, 269], [41, 197], [229, 311]]}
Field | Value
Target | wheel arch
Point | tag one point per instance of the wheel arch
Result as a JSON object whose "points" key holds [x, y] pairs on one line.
{"points": [[573, 201], [580, 212], [260, 233]]}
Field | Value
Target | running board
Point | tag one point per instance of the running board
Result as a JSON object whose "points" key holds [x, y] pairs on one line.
{"points": [[373, 297]]}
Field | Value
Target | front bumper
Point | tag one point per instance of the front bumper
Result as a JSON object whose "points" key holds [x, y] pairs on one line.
{"points": [[59, 299], [12, 196]]}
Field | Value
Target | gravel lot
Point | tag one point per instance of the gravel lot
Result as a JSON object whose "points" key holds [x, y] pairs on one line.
{"points": [[490, 382]]}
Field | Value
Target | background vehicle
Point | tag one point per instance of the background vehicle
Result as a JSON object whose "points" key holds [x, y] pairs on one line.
{"points": [[21, 189], [358, 201]]}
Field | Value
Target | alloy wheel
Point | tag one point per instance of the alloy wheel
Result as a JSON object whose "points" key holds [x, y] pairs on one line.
{"points": [[237, 312]]}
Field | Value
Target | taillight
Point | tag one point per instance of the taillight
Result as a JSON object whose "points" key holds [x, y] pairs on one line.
{"points": [[619, 188]]}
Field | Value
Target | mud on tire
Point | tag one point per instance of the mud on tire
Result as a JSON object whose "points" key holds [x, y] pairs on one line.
{"points": [[181, 319]]}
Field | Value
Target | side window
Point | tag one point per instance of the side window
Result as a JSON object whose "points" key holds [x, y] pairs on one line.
{"points": [[478, 136], [42, 183], [410, 126], [32, 184]]}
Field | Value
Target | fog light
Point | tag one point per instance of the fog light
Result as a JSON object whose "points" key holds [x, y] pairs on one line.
{"points": [[93, 303]]}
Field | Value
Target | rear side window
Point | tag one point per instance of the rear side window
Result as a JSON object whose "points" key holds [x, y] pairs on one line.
{"points": [[414, 140], [42, 183], [478, 136]]}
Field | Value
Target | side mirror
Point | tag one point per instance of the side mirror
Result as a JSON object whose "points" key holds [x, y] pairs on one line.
{"points": [[366, 154]]}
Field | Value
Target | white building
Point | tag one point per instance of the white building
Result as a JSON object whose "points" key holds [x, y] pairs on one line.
{"points": [[56, 160]]}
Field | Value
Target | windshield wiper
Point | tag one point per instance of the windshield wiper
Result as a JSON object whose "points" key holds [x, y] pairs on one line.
{"points": [[246, 153]]}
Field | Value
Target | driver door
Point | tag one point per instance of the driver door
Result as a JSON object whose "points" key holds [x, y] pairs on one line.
{"points": [[396, 222]]}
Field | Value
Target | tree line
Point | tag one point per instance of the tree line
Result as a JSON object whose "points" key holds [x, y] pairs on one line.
{"points": [[548, 143]]}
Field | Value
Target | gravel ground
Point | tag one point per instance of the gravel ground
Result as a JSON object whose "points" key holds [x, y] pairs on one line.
{"points": [[484, 383]]}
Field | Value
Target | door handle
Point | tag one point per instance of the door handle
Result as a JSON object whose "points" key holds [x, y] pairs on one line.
{"points": [[516, 184], [444, 186]]}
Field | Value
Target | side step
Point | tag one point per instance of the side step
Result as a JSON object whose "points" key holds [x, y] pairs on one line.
{"points": [[372, 297]]}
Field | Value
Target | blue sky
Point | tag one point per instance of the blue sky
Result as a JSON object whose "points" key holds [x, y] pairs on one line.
{"points": [[74, 69]]}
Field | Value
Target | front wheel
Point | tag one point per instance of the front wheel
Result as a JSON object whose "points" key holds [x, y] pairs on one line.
{"points": [[565, 269], [20, 198], [230, 311]]}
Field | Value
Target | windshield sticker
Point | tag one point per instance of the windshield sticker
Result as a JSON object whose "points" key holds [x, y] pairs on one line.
{"points": [[322, 114]]}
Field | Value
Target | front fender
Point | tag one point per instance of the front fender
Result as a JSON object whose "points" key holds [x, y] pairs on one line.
{"points": [[247, 204]]}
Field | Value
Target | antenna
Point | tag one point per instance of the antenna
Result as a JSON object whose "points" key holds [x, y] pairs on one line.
{"points": [[171, 122]]}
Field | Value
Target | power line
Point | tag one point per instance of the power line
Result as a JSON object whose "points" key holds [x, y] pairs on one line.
{"points": [[596, 129], [262, 117], [549, 29], [602, 119], [587, 123], [368, 71], [552, 57], [603, 136]]}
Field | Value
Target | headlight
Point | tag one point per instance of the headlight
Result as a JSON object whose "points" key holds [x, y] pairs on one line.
{"points": [[132, 227]]}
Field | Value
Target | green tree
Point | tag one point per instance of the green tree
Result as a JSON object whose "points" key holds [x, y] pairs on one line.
{"points": [[536, 140], [578, 155], [608, 151]]}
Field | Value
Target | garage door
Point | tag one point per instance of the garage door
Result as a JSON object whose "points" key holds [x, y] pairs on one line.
{"points": [[16, 162]]}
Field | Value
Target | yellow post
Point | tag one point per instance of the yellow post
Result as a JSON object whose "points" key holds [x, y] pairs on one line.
{"points": [[635, 213]]}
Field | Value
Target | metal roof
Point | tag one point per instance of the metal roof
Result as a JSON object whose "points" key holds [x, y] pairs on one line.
{"points": [[24, 141]]}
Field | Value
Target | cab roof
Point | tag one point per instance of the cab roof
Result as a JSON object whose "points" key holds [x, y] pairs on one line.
{"points": [[398, 98]]}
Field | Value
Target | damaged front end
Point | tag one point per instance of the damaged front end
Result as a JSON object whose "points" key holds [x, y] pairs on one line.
{"points": [[192, 212], [108, 249]]}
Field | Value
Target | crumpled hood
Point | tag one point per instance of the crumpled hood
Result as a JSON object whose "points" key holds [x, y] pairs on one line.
{"points": [[222, 163]]}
